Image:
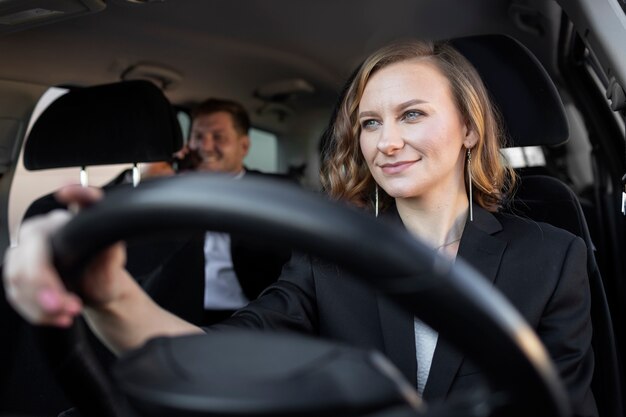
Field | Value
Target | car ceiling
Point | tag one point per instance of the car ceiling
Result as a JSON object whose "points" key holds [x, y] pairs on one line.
{"points": [[231, 48]]}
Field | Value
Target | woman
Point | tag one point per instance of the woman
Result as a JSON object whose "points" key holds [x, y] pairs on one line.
{"points": [[417, 140]]}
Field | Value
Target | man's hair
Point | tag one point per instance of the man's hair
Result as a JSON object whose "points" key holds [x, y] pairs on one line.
{"points": [[241, 120]]}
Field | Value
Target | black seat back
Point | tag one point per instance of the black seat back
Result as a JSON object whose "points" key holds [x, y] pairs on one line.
{"points": [[549, 200]]}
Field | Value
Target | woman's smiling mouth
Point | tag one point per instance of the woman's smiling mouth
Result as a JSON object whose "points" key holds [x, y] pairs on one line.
{"points": [[396, 167]]}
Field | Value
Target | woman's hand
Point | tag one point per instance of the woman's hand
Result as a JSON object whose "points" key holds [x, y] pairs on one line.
{"points": [[32, 284]]}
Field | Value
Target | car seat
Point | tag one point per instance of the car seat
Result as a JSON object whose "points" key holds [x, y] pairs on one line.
{"points": [[534, 115], [549, 200], [125, 122]]}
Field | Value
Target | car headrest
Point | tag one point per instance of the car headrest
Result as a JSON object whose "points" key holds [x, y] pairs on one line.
{"points": [[124, 122], [519, 85], [530, 105]]}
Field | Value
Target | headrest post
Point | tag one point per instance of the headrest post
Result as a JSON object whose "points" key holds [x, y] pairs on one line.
{"points": [[84, 178], [136, 175]]}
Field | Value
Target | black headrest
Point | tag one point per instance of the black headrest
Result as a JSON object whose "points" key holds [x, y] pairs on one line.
{"points": [[125, 122], [527, 98]]}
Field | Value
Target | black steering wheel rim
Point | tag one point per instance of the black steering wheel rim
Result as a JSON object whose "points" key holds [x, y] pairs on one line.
{"points": [[406, 270]]}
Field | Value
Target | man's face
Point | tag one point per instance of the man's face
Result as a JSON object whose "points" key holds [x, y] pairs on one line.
{"points": [[221, 147]]}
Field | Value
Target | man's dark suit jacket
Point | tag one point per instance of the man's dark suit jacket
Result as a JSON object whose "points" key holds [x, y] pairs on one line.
{"points": [[539, 268], [178, 283]]}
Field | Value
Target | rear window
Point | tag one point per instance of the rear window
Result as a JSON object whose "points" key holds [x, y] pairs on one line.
{"points": [[526, 156], [263, 153]]}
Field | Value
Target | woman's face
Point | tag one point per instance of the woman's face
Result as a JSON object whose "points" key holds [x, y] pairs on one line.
{"points": [[412, 134]]}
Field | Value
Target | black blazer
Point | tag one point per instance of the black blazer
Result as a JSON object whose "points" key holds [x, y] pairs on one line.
{"points": [[539, 268]]}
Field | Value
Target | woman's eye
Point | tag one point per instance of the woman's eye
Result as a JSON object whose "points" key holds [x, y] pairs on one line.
{"points": [[411, 115], [369, 124]]}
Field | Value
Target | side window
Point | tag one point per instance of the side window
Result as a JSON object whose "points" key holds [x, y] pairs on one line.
{"points": [[526, 156], [263, 154]]}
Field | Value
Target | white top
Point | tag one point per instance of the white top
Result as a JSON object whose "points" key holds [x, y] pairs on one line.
{"points": [[221, 287], [425, 343]]}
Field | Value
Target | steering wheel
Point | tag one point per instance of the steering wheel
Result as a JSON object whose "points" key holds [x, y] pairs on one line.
{"points": [[451, 297]]}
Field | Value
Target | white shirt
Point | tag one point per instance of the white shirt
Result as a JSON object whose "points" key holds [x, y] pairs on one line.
{"points": [[425, 343], [221, 286]]}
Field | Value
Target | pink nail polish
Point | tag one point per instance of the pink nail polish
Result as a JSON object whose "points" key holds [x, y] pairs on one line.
{"points": [[48, 299]]}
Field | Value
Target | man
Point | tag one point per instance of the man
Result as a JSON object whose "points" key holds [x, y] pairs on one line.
{"points": [[235, 268], [219, 136]]}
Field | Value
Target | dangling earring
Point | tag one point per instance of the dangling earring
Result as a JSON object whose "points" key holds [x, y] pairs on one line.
{"points": [[376, 200], [469, 181]]}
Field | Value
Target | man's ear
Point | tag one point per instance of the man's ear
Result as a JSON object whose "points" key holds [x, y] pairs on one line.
{"points": [[245, 143]]}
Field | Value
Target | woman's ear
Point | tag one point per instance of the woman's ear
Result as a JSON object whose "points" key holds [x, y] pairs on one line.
{"points": [[471, 138]]}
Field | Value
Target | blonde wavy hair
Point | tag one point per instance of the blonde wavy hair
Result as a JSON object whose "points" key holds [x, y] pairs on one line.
{"points": [[345, 175]]}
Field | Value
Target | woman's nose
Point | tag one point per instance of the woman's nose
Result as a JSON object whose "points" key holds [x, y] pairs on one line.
{"points": [[390, 139]]}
